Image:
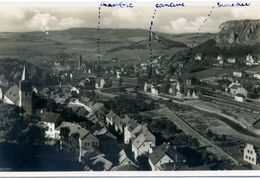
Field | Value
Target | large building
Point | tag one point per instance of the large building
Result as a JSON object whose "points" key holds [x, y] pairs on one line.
{"points": [[21, 95], [250, 154]]}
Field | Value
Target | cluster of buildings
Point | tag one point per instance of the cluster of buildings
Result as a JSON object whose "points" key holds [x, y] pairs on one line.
{"points": [[88, 140], [143, 143], [249, 60]]}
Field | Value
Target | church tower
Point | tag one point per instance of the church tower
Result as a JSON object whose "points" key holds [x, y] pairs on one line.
{"points": [[25, 93]]}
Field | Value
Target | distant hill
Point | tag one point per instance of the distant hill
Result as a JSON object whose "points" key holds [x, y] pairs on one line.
{"points": [[158, 42]]}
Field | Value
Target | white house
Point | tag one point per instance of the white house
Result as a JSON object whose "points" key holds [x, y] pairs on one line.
{"points": [[100, 82], [237, 88], [198, 57], [1, 94], [239, 98], [74, 89], [231, 60], [250, 60], [130, 130], [250, 154], [237, 74], [257, 76], [112, 119], [143, 143], [154, 91], [51, 121], [146, 85]]}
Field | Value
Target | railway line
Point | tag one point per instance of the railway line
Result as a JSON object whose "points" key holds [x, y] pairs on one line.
{"points": [[228, 101]]}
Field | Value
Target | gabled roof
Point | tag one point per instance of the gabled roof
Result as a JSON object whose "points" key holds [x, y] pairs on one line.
{"points": [[138, 141], [132, 124], [126, 167], [148, 134], [96, 107], [124, 159], [50, 117], [165, 149], [82, 133], [72, 126], [13, 94], [101, 159], [25, 74], [156, 155], [111, 115]]}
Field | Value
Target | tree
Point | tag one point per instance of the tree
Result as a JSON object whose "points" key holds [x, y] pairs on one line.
{"points": [[11, 124], [64, 134], [14, 128]]}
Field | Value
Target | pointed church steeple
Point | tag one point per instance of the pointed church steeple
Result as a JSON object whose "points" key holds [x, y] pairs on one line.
{"points": [[25, 75], [25, 92]]}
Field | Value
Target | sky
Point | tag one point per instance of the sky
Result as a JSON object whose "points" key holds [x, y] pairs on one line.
{"points": [[28, 17]]}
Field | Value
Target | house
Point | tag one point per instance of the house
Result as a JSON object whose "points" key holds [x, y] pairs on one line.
{"points": [[120, 124], [110, 117], [130, 130], [198, 57], [100, 82], [73, 127], [80, 137], [146, 87], [154, 91], [164, 154], [11, 96], [237, 88], [239, 98], [143, 143], [257, 76], [124, 159], [231, 60], [237, 74], [21, 95], [250, 73], [1, 94], [51, 121], [220, 60], [127, 167], [100, 163], [74, 90], [103, 83], [250, 154], [250, 60], [86, 141]]}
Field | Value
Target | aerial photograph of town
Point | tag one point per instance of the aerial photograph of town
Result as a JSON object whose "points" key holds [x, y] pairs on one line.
{"points": [[130, 86]]}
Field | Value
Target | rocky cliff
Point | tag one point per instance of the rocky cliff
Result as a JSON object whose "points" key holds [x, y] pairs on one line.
{"points": [[239, 31]]}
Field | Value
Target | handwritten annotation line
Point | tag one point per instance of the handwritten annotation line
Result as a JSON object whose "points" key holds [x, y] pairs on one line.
{"points": [[200, 29], [98, 34]]}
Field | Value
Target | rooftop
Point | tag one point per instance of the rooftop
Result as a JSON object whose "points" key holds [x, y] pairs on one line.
{"points": [[13, 94], [50, 117]]}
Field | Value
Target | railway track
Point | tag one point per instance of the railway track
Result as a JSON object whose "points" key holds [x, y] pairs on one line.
{"points": [[229, 102]]}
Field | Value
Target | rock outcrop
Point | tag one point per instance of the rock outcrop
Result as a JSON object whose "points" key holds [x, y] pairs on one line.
{"points": [[239, 31]]}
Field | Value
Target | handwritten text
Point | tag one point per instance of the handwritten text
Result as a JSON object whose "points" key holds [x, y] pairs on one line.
{"points": [[120, 4], [160, 5], [244, 4]]}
